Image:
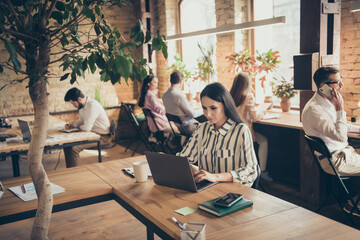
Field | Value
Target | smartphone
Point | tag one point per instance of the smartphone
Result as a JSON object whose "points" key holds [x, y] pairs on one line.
{"points": [[326, 90], [228, 200]]}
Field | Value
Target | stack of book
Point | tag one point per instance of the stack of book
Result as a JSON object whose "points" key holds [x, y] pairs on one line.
{"points": [[209, 206]]}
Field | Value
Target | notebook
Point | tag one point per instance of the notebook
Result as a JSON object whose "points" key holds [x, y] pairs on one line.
{"points": [[209, 206], [174, 171]]}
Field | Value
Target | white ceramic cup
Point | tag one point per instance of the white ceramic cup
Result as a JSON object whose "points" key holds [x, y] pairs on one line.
{"points": [[141, 171]]}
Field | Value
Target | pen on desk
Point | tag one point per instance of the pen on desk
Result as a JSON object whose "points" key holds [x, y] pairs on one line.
{"points": [[23, 189]]}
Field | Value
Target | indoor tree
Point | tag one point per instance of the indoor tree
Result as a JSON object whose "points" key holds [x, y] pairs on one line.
{"points": [[74, 35]]}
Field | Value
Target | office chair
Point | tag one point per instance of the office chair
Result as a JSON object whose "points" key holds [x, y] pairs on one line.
{"points": [[159, 135], [320, 152], [113, 134], [177, 121], [139, 133]]}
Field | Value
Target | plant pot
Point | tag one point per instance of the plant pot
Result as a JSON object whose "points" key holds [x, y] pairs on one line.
{"points": [[285, 104], [197, 97], [269, 99], [189, 96]]}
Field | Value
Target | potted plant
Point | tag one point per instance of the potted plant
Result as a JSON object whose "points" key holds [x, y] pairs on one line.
{"points": [[180, 65], [255, 65], [285, 90], [205, 67]]}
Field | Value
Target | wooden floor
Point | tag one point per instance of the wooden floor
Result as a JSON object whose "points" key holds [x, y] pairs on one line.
{"points": [[108, 220]]}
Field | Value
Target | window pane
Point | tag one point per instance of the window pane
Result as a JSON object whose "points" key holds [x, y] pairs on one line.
{"points": [[284, 38]]}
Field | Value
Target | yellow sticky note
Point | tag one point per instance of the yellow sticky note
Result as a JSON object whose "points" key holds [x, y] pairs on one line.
{"points": [[185, 211]]}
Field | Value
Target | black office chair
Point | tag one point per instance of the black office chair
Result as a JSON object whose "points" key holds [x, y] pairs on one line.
{"points": [[161, 140], [320, 152], [175, 119], [113, 134], [139, 133]]}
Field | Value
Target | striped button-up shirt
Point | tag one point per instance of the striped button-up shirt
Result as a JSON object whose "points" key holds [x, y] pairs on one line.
{"points": [[228, 149]]}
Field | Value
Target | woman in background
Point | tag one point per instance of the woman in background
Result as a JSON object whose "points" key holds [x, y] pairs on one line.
{"points": [[148, 99], [245, 105], [222, 147]]}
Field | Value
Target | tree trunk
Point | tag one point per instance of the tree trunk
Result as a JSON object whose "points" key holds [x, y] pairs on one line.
{"points": [[38, 94], [37, 66]]}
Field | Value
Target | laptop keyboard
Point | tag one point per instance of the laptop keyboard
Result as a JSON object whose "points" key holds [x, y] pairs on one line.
{"points": [[204, 184]]}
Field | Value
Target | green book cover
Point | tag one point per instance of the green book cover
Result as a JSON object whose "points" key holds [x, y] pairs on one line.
{"points": [[209, 206]]}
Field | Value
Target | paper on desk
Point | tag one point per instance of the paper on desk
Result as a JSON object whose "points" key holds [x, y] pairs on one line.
{"points": [[270, 116], [263, 107], [31, 193], [3, 144], [1, 189], [185, 211]]}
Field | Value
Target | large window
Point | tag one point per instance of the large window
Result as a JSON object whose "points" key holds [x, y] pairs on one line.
{"points": [[197, 15], [284, 38]]}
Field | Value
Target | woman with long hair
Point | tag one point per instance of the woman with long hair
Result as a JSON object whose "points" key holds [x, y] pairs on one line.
{"points": [[222, 147], [148, 99], [245, 105]]}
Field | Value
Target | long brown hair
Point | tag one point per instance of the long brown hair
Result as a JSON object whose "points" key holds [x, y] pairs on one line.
{"points": [[239, 87]]}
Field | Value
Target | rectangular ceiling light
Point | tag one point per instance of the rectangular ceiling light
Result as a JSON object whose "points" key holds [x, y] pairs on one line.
{"points": [[229, 28], [355, 6]]}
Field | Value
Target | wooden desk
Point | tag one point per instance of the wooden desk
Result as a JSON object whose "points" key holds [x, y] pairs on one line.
{"points": [[154, 206], [15, 148], [80, 185]]}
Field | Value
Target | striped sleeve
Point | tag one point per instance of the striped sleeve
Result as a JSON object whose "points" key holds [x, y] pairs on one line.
{"points": [[248, 169], [191, 149]]}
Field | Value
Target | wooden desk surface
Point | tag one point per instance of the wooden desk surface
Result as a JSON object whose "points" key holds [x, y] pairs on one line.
{"points": [[79, 183], [157, 203], [62, 139], [287, 119]]}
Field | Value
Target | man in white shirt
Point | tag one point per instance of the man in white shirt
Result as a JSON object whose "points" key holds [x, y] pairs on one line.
{"points": [[176, 104], [324, 117], [92, 117]]}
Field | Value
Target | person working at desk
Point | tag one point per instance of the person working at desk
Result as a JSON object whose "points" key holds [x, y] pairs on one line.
{"points": [[324, 117], [245, 105], [176, 104], [222, 147], [92, 117]]}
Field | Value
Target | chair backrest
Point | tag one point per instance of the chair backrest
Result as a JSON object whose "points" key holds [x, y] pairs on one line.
{"points": [[173, 118], [320, 151], [130, 112], [149, 114], [113, 128]]}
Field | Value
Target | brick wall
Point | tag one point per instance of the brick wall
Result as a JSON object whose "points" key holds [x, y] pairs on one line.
{"points": [[225, 45], [350, 58], [15, 100]]}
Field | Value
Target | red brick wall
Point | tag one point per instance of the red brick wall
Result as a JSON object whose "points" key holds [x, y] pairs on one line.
{"points": [[350, 58]]}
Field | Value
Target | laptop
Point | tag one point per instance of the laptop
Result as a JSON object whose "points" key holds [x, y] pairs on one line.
{"points": [[174, 171], [26, 131]]}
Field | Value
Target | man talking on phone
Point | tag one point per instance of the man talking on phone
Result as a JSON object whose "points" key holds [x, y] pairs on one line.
{"points": [[324, 117]]}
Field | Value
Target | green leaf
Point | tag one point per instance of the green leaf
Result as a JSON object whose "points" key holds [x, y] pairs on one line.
{"points": [[97, 10], [148, 36], [100, 62], [16, 62], [57, 16], [164, 50], [139, 40], [116, 32], [156, 44], [123, 66], [65, 76], [76, 40], [89, 45], [73, 78], [135, 31], [97, 30], [87, 12], [10, 48], [115, 77], [84, 64], [60, 6]]}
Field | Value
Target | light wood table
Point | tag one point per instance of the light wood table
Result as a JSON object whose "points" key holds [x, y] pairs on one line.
{"points": [[62, 140], [269, 217], [80, 184]]}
